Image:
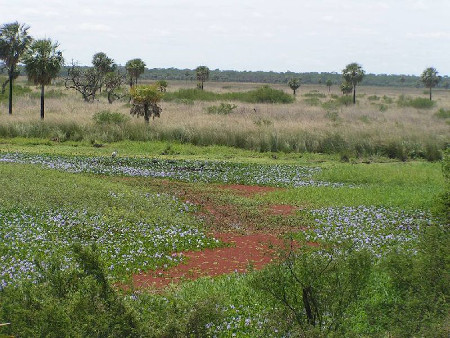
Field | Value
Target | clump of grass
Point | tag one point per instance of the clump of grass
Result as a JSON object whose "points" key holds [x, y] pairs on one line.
{"points": [[18, 90], [222, 109], [443, 113], [418, 102], [315, 94], [312, 101], [387, 99], [49, 94], [108, 117], [264, 94], [373, 98]]}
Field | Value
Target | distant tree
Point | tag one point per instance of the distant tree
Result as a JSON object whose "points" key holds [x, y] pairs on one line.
{"points": [[145, 101], [113, 81], [162, 85], [402, 79], [346, 88], [103, 65], [446, 85], [329, 83], [14, 42], [135, 68], [85, 81], [353, 74], [294, 84], [42, 64], [430, 78], [90, 81], [202, 73]]}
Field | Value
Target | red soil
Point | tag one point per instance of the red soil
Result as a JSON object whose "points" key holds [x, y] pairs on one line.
{"points": [[255, 251], [249, 190], [282, 209]]}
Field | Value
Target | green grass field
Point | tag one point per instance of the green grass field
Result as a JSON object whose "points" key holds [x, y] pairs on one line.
{"points": [[76, 223]]}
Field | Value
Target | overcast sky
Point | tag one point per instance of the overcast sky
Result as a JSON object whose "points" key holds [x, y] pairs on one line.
{"points": [[386, 36]]}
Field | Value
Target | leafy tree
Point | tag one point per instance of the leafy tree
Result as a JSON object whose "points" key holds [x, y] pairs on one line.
{"points": [[42, 64], [329, 83], [145, 101], [90, 81], [353, 74], [103, 65], [346, 88], [134, 68], [112, 82], [294, 84], [162, 85], [430, 78], [202, 73], [14, 42]]}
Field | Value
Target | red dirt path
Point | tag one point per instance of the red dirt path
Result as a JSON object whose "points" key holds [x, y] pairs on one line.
{"points": [[255, 250]]}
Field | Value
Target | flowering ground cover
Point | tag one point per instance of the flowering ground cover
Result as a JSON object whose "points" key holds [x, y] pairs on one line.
{"points": [[126, 244], [283, 175], [377, 229]]}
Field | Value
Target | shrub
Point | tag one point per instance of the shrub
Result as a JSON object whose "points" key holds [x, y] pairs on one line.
{"points": [[108, 117], [267, 94], [222, 109], [418, 102], [373, 98], [443, 113], [315, 94], [312, 101]]}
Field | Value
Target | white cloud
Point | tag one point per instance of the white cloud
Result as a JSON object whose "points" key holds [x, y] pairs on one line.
{"points": [[95, 27]]}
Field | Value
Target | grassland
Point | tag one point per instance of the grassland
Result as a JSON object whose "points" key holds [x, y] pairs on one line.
{"points": [[76, 223], [381, 124]]}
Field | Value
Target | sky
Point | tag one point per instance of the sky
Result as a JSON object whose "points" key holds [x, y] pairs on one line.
{"points": [[385, 36]]}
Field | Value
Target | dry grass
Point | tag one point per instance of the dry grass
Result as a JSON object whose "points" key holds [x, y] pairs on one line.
{"points": [[291, 127]]}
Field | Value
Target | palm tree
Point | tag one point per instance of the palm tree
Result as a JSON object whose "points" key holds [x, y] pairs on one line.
{"points": [[294, 84], [329, 83], [42, 64], [430, 78], [14, 42], [202, 73], [134, 68], [353, 74]]}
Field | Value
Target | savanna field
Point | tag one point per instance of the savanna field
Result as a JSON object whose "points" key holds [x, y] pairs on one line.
{"points": [[341, 212]]}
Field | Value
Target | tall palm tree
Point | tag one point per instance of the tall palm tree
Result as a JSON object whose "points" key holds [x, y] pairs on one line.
{"points": [[430, 78], [135, 68], [14, 42], [353, 74], [42, 64], [202, 73]]}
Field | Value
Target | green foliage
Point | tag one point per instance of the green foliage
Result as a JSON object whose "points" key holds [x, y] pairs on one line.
{"points": [[443, 113], [263, 94], [222, 109], [202, 74], [316, 287], [18, 91], [134, 69], [145, 101], [373, 98], [430, 78], [312, 101], [294, 84], [316, 94], [418, 102], [106, 117], [76, 302]]}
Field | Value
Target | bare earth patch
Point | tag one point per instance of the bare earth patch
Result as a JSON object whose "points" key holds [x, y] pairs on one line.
{"points": [[282, 209], [249, 190], [254, 250]]}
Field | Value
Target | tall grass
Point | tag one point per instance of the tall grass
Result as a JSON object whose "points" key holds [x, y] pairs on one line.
{"points": [[331, 127]]}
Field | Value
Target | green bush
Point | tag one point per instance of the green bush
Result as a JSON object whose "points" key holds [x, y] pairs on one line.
{"points": [[443, 113], [373, 98], [315, 94], [222, 109], [312, 101], [418, 102], [267, 94], [78, 302], [108, 117]]}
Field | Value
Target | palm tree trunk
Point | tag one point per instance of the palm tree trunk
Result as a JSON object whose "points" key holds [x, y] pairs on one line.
{"points": [[10, 94], [42, 102], [354, 94], [430, 93], [146, 115]]}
